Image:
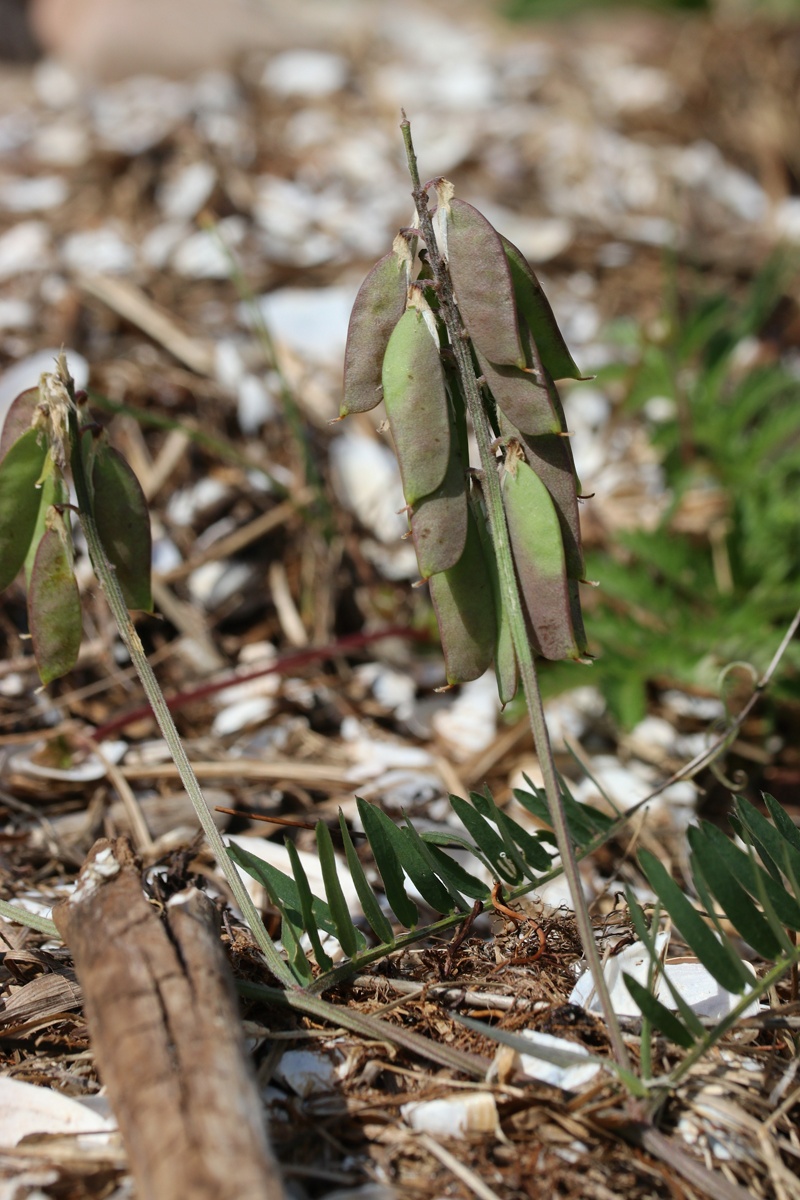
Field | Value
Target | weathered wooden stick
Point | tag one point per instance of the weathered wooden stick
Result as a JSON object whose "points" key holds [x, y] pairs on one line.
{"points": [[166, 1032]]}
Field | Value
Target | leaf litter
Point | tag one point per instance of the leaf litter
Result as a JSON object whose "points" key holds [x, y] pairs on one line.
{"points": [[303, 188]]}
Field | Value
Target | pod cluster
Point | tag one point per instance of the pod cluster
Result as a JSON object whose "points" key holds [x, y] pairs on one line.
{"points": [[35, 528], [397, 351]]}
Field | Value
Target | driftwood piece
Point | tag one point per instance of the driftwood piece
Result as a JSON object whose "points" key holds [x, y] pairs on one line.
{"points": [[165, 1027]]}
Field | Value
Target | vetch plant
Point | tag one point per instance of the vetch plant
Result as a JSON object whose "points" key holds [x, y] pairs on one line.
{"points": [[44, 442], [471, 336]]}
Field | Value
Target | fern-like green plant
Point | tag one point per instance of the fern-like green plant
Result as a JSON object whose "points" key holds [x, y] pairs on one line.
{"points": [[755, 888], [679, 605], [509, 853]]}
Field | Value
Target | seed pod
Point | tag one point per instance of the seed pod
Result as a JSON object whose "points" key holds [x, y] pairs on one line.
{"points": [[19, 418], [416, 404], [54, 605], [20, 501], [535, 311], [551, 459], [53, 490], [482, 284], [439, 521], [505, 659], [123, 523], [525, 402], [378, 307], [464, 605], [538, 551]]}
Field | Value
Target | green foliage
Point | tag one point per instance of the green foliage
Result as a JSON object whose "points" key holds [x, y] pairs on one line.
{"points": [[510, 853], [679, 605], [760, 899]]}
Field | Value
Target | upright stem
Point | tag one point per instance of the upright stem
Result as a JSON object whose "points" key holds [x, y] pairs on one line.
{"points": [[108, 580], [448, 310]]}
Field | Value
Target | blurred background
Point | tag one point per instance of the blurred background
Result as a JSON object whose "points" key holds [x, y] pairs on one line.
{"points": [[189, 196]]}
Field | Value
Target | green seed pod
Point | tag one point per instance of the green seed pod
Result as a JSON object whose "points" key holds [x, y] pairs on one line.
{"points": [[439, 521], [20, 501], [416, 404], [551, 459], [379, 305], [53, 490], [19, 419], [538, 550], [54, 605], [535, 311], [525, 402], [464, 605], [482, 283], [505, 659], [123, 523]]}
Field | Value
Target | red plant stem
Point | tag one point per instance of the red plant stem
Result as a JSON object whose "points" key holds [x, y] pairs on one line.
{"points": [[282, 665]]}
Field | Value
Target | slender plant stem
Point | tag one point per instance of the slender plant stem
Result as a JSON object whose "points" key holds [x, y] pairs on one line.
{"points": [[108, 580], [369, 1026], [21, 916], [508, 581]]}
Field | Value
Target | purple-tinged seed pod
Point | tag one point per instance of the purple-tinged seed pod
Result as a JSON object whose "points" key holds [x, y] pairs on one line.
{"points": [[505, 658], [534, 310], [416, 404], [120, 512], [20, 501], [538, 552], [550, 457], [464, 605], [573, 586], [439, 521], [525, 402], [19, 418], [54, 604], [482, 284], [378, 306]]}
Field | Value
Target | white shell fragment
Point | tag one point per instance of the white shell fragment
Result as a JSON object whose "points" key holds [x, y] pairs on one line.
{"points": [[33, 195], [101, 251], [569, 1076], [24, 247], [470, 723], [366, 480], [310, 73], [698, 988], [308, 1072], [85, 770], [26, 1109], [181, 197], [312, 321], [453, 1116]]}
